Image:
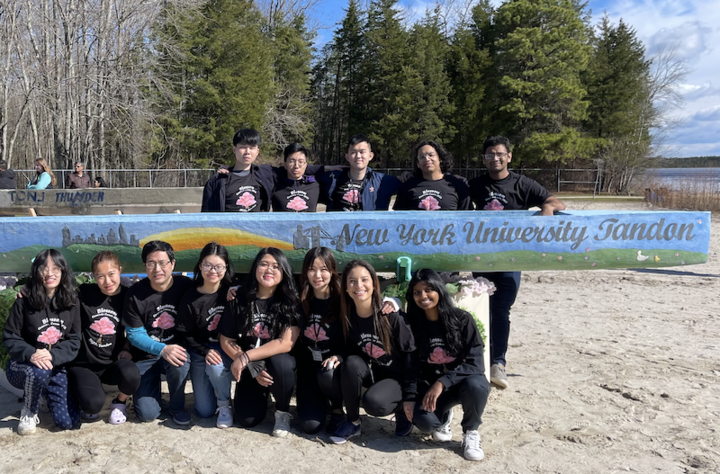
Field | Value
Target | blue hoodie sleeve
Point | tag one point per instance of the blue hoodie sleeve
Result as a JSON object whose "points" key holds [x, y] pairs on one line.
{"points": [[139, 338]]}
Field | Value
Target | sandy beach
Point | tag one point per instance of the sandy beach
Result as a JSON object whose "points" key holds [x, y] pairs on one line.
{"points": [[610, 371]]}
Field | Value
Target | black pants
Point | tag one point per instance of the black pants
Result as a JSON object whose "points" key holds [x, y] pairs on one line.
{"points": [[507, 285], [472, 393], [318, 392], [381, 398], [251, 398], [86, 383]]}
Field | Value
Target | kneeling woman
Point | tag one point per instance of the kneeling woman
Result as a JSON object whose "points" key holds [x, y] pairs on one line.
{"points": [[199, 316], [257, 331], [321, 347], [104, 356], [383, 357], [451, 358], [41, 335]]}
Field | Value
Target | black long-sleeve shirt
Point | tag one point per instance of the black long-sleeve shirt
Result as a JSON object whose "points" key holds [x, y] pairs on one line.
{"points": [[199, 317]]}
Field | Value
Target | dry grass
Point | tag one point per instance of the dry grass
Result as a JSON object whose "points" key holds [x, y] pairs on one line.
{"points": [[699, 193]]}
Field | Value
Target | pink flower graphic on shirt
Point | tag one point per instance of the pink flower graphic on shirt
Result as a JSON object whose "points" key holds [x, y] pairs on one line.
{"points": [[493, 205], [315, 332], [297, 204], [439, 356], [429, 204], [373, 350], [246, 200], [164, 321], [352, 196], [261, 331], [214, 323], [103, 326], [50, 336]]}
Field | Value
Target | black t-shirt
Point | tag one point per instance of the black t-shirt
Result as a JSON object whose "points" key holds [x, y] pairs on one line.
{"points": [[437, 361], [28, 329], [449, 193], [296, 196], [199, 317], [347, 195], [260, 328], [327, 338], [155, 311], [515, 192], [103, 335], [243, 193]]}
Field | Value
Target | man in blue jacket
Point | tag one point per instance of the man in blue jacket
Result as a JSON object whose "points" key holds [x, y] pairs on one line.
{"points": [[358, 188]]}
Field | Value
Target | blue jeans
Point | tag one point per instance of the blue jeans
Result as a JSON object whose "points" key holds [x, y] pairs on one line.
{"points": [[146, 400], [507, 285], [211, 383]]}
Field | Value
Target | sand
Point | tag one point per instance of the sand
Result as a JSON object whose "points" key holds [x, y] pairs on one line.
{"points": [[610, 371]]}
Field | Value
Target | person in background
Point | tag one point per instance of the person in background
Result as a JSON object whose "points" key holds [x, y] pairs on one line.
{"points": [[433, 188], [451, 359], [99, 182], [41, 336], [199, 315], [44, 177], [257, 331], [7, 176], [78, 179], [149, 315], [295, 191], [503, 190], [104, 356]]}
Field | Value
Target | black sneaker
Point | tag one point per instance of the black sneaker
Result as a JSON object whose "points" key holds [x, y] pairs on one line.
{"points": [[403, 426], [347, 430], [336, 419]]}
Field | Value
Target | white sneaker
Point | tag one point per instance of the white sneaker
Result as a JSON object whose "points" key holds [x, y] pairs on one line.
{"points": [[225, 417], [28, 422], [471, 446], [282, 424], [443, 433]]}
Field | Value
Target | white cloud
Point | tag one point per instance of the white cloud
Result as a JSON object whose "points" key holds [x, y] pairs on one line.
{"points": [[711, 114], [693, 92], [690, 40]]}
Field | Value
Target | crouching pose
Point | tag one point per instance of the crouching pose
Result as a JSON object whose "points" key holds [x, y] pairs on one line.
{"points": [[383, 356], [257, 331], [451, 358], [41, 335]]}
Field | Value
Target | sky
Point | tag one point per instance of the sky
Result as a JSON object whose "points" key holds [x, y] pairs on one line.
{"points": [[692, 27]]}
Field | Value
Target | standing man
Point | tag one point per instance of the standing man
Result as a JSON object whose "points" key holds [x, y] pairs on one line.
{"points": [[7, 177], [79, 179], [358, 188], [295, 191], [149, 317], [498, 190]]}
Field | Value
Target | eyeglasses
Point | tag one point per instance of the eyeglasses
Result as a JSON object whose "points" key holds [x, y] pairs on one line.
{"points": [[427, 155], [297, 163], [50, 271], [491, 156], [161, 264], [206, 267], [267, 266]]}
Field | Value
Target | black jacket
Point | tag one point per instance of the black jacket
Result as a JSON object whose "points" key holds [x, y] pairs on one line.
{"points": [[7, 179]]}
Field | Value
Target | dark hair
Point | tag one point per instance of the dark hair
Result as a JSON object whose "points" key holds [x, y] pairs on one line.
{"points": [[450, 316], [446, 159], [213, 248], [295, 148], [103, 256], [496, 140], [3, 165], [247, 136], [380, 321], [306, 291], [65, 294], [101, 181], [157, 246], [284, 302], [357, 139]]}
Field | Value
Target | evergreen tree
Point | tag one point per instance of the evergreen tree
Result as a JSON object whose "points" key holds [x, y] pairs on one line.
{"points": [[541, 49]]}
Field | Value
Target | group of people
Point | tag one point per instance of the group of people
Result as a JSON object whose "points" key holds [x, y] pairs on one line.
{"points": [[44, 178], [326, 340], [298, 187]]}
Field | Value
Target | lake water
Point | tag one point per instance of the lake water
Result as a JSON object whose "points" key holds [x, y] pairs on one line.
{"points": [[683, 175]]}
